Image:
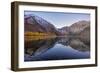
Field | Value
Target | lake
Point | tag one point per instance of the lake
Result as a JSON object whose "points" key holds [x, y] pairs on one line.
{"points": [[56, 48]]}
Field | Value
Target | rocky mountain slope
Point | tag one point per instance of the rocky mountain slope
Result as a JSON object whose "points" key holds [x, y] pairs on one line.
{"points": [[75, 28], [34, 23]]}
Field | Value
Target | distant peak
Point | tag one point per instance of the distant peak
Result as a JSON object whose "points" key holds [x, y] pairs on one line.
{"points": [[83, 21]]}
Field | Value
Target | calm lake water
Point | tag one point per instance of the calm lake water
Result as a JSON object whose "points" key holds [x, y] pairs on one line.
{"points": [[58, 48]]}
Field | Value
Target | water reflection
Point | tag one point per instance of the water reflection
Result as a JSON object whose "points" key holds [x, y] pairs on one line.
{"points": [[57, 48]]}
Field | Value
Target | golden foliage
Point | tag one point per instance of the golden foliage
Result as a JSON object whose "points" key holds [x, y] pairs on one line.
{"points": [[37, 34], [29, 36], [34, 34]]}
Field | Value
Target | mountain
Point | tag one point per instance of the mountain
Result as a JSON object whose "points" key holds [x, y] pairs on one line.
{"points": [[75, 28], [79, 26], [35, 23], [64, 30], [86, 33]]}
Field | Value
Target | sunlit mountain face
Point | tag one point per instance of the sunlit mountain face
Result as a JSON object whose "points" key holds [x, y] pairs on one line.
{"points": [[34, 23]]}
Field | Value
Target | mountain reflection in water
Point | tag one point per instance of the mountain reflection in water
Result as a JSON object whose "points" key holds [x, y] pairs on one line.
{"points": [[58, 48]]}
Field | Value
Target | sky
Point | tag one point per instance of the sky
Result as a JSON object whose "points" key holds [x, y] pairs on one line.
{"points": [[60, 19]]}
